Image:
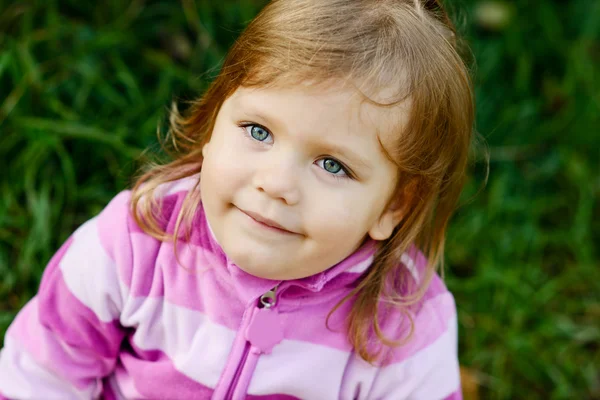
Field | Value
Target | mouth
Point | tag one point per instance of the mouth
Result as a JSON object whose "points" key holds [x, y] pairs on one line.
{"points": [[267, 223]]}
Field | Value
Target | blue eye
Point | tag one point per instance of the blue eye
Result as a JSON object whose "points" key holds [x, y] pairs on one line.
{"points": [[332, 166], [258, 132]]}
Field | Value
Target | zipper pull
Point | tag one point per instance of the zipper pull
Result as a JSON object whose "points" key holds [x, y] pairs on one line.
{"points": [[264, 330], [269, 299]]}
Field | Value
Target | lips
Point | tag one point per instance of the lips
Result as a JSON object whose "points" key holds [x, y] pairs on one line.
{"points": [[266, 221]]}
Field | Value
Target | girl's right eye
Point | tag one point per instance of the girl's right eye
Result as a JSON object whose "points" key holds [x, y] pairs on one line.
{"points": [[258, 133]]}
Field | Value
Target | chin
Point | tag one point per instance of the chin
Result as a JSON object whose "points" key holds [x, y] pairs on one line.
{"points": [[262, 272], [251, 265]]}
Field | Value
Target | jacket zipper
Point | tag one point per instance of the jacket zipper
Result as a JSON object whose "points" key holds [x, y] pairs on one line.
{"points": [[238, 371], [267, 300]]}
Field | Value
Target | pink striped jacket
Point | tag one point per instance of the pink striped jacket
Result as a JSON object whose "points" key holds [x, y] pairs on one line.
{"points": [[117, 318]]}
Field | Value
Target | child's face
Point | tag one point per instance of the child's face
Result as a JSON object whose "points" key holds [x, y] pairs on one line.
{"points": [[294, 180]]}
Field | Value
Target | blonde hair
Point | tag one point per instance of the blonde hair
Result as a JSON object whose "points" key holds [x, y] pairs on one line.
{"points": [[401, 45]]}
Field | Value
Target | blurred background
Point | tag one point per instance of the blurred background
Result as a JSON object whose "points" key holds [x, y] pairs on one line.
{"points": [[84, 85]]}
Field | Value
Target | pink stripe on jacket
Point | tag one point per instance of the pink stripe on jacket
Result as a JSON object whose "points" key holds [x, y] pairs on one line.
{"points": [[116, 317]]}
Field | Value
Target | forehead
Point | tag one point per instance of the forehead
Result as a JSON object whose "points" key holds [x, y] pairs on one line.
{"points": [[332, 108]]}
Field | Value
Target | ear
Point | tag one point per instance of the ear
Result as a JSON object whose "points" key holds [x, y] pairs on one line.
{"points": [[386, 223], [395, 212]]}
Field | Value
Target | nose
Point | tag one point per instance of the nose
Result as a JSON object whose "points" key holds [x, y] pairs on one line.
{"points": [[278, 178]]}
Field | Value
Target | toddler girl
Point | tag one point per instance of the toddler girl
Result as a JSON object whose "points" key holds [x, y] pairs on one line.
{"points": [[290, 248]]}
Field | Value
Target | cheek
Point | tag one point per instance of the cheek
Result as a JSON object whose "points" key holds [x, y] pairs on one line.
{"points": [[224, 167], [342, 215]]}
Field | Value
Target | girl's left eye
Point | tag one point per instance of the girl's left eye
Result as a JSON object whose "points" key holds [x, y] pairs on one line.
{"points": [[257, 132], [332, 166]]}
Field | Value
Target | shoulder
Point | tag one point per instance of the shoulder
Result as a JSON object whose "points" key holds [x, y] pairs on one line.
{"points": [[106, 260], [120, 236], [425, 365], [433, 316]]}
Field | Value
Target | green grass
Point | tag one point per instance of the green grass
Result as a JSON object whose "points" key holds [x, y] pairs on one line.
{"points": [[84, 84]]}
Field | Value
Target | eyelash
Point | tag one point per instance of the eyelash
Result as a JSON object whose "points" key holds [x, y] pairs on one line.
{"points": [[347, 173]]}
